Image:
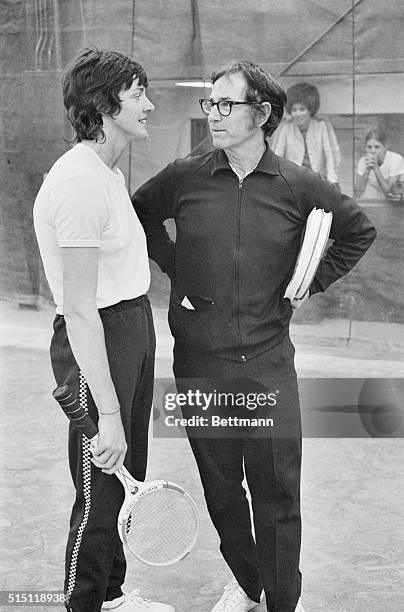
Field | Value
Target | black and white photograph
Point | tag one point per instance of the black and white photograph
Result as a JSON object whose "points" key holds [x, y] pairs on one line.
{"points": [[202, 305]]}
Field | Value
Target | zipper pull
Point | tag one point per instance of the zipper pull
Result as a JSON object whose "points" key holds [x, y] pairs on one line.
{"points": [[243, 358]]}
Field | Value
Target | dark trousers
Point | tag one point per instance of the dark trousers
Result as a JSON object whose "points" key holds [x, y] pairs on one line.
{"points": [[271, 464], [95, 562]]}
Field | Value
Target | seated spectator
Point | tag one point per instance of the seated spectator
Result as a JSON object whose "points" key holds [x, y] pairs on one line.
{"points": [[305, 140], [379, 170]]}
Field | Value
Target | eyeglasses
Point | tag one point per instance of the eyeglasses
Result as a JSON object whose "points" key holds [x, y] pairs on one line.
{"points": [[223, 106]]}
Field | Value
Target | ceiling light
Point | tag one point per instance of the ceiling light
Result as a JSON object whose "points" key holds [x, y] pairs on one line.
{"points": [[201, 84]]}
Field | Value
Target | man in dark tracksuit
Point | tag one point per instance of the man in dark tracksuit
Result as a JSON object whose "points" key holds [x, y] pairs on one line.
{"points": [[240, 212]]}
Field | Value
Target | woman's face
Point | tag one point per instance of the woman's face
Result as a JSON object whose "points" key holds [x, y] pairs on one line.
{"points": [[376, 149], [300, 115]]}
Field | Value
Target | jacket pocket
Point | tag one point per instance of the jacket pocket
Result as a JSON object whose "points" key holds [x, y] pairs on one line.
{"points": [[196, 325]]}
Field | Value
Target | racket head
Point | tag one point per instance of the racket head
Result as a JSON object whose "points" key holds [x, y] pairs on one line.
{"points": [[160, 523]]}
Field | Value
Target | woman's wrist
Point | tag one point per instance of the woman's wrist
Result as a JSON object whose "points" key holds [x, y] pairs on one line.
{"points": [[109, 412]]}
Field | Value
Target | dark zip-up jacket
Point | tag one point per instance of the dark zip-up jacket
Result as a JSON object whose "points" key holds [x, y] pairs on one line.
{"points": [[236, 246]]}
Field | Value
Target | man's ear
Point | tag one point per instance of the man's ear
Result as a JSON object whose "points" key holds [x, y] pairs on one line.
{"points": [[266, 111]]}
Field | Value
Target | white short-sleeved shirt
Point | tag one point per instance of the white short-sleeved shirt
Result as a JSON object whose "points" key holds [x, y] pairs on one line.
{"points": [[83, 203], [393, 165]]}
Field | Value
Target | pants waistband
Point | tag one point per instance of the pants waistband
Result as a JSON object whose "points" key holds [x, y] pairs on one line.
{"points": [[142, 300], [126, 304]]}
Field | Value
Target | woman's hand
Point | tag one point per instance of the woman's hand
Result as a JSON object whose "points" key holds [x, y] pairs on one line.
{"points": [[110, 451], [371, 161]]}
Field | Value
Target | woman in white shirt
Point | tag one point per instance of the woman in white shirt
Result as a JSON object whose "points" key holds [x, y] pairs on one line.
{"points": [[305, 140], [94, 252], [379, 169]]}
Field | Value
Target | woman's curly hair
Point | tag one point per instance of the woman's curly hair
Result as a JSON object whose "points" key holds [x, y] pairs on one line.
{"points": [[303, 93]]}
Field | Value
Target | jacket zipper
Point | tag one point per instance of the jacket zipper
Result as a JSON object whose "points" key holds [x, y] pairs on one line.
{"points": [[237, 270]]}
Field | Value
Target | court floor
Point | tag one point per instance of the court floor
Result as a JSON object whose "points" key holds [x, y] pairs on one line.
{"points": [[352, 493]]}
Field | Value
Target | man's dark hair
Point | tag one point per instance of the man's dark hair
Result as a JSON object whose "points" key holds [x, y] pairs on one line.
{"points": [[303, 93], [91, 87], [261, 87]]}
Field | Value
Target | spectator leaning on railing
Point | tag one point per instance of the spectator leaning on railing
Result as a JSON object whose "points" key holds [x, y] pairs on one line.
{"points": [[379, 170]]}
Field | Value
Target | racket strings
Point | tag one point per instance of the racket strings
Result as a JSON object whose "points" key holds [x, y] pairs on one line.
{"points": [[161, 527]]}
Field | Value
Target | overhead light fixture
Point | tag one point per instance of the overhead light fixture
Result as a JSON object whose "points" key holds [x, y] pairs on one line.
{"points": [[201, 84]]}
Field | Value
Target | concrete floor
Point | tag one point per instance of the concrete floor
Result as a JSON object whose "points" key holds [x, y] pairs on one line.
{"points": [[352, 488]]}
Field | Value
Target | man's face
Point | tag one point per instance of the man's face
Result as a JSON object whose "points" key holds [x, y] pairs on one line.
{"points": [[131, 121], [239, 127]]}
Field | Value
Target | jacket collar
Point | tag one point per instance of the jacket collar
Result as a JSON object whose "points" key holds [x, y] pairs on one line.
{"points": [[268, 162]]}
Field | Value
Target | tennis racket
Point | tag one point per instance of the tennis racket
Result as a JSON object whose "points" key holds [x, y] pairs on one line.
{"points": [[158, 521]]}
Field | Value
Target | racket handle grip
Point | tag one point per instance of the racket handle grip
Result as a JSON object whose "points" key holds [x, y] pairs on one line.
{"points": [[70, 405]]}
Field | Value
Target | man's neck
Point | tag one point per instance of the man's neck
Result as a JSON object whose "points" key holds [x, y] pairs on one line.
{"points": [[246, 157]]}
